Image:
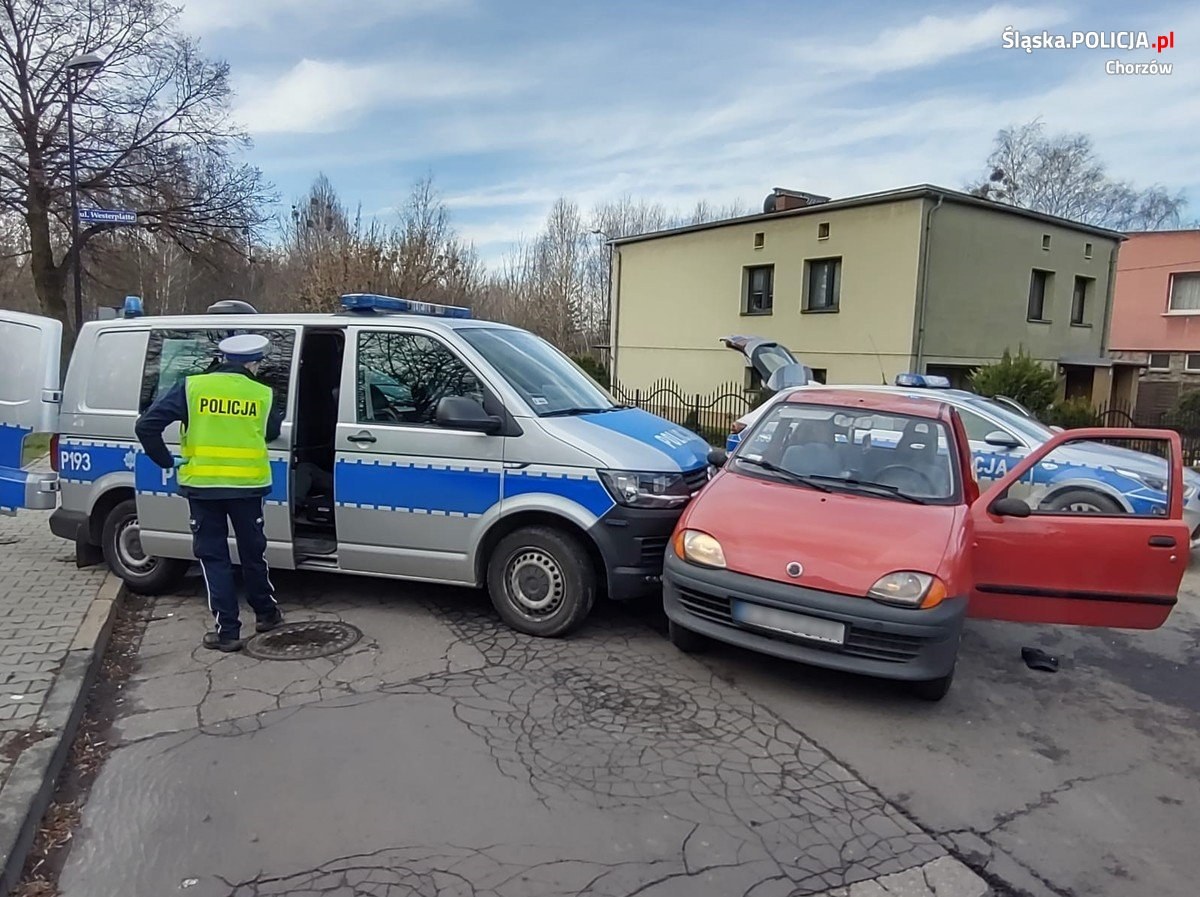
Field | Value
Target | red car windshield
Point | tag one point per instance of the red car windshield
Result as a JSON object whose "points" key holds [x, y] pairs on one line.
{"points": [[892, 455]]}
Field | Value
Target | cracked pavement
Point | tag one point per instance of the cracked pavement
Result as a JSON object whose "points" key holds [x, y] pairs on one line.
{"points": [[444, 754], [1082, 783]]}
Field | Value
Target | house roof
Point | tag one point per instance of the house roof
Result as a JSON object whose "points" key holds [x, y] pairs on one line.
{"points": [[921, 191]]}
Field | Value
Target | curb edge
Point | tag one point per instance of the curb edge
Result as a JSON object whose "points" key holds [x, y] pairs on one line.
{"points": [[31, 783]]}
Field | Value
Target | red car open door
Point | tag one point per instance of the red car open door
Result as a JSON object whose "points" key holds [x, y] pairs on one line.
{"points": [[1121, 570]]}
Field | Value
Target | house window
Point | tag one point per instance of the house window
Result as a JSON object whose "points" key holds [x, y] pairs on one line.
{"points": [[1039, 286], [1160, 361], [1185, 291], [821, 375], [1046, 242], [1087, 250], [1079, 300], [822, 285], [760, 240], [823, 230], [1192, 362], [759, 296]]}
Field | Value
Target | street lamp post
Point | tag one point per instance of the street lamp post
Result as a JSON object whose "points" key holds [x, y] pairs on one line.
{"points": [[76, 65]]}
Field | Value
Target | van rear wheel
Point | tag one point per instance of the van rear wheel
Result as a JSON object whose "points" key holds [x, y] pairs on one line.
{"points": [[541, 581], [120, 540]]}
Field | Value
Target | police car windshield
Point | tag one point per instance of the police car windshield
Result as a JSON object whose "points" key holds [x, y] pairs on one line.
{"points": [[546, 379]]}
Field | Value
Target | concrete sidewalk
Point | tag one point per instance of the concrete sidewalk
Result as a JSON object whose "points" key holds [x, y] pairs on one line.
{"points": [[54, 619]]}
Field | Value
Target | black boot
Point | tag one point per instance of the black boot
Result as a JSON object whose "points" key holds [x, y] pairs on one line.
{"points": [[214, 642], [267, 623]]}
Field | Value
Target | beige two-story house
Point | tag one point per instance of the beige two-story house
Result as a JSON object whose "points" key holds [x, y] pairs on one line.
{"points": [[920, 279]]}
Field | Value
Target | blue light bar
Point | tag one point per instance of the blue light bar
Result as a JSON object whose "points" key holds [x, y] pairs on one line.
{"points": [[370, 302], [923, 381], [132, 307]]}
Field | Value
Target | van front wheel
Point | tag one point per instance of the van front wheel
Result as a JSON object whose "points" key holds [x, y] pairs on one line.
{"points": [[120, 540], [541, 581]]}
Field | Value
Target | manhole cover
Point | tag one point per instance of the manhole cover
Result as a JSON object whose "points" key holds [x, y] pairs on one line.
{"points": [[301, 641]]}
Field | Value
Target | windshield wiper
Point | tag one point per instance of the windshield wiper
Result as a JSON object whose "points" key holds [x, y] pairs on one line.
{"points": [[868, 485], [786, 474], [568, 412]]}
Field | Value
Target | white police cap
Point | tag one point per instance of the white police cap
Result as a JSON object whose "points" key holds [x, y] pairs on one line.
{"points": [[245, 347]]}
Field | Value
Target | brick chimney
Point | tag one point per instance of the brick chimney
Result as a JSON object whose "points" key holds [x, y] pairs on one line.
{"points": [[781, 200]]}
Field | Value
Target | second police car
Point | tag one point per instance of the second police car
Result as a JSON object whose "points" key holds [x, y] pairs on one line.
{"points": [[419, 443], [1088, 478]]}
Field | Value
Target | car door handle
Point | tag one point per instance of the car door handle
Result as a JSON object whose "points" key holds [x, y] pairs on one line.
{"points": [[1162, 541], [361, 436]]}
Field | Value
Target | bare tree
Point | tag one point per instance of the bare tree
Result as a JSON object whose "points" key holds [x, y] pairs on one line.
{"points": [[1060, 174], [153, 131]]}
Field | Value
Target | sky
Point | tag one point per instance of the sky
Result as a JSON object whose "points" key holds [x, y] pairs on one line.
{"points": [[509, 105]]}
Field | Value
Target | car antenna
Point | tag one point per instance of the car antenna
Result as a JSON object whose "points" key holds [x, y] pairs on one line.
{"points": [[882, 374]]}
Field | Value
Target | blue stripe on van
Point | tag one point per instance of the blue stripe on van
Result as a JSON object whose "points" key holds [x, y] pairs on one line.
{"points": [[418, 488], [12, 477], [682, 447], [583, 490], [150, 479], [85, 462]]}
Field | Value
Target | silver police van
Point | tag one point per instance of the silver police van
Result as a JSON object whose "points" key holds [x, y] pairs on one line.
{"points": [[418, 443]]}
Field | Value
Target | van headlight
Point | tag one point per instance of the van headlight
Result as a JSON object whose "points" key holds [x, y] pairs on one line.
{"points": [[908, 589], [646, 490], [699, 548]]}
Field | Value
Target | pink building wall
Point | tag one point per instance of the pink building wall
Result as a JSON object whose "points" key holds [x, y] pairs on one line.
{"points": [[1140, 319]]}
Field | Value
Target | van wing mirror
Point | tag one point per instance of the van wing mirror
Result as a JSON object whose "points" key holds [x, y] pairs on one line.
{"points": [[718, 457], [462, 413]]}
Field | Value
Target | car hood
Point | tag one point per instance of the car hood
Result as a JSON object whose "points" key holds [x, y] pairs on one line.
{"points": [[845, 542], [631, 439]]}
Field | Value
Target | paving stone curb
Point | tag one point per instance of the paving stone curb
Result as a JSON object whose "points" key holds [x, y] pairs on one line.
{"points": [[27, 792]]}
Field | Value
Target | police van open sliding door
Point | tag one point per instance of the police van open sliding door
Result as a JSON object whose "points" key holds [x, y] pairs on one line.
{"points": [[412, 498], [30, 396], [171, 355]]}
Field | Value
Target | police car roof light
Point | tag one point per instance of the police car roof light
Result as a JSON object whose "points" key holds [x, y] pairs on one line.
{"points": [[132, 307], [368, 303], [923, 381]]}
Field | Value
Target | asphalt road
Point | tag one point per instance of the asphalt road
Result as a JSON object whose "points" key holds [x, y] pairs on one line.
{"points": [[1080, 782], [443, 754]]}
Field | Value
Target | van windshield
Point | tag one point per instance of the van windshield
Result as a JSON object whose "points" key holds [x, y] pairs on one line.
{"points": [[549, 382]]}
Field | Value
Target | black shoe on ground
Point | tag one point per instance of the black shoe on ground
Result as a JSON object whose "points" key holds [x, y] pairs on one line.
{"points": [[266, 624], [214, 642]]}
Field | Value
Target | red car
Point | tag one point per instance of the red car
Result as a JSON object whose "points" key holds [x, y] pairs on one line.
{"points": [[853, 536]]}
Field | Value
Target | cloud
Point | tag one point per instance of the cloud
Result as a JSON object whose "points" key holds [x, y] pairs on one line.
{"points": [[319, 96], [930, 40], [210, 16]]}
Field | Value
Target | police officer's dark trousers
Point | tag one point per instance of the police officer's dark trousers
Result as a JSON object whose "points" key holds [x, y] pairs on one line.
{"points": [[210, 533]]}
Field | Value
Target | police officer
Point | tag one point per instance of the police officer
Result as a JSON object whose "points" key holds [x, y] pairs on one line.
{"points": [[227, 420]]}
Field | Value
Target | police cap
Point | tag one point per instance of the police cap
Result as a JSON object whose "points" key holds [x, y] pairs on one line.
{"points": [[245, 347]]}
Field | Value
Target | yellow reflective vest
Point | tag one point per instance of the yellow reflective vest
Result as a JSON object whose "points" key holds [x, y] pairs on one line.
{"points": [[225, 440]]}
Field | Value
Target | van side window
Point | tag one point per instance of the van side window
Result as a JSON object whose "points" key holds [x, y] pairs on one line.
{"points": [[172, 355], [113, 378], [402, 377]]}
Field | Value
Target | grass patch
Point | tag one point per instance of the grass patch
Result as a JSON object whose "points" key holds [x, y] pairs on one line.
{"points": [[37, 445]]}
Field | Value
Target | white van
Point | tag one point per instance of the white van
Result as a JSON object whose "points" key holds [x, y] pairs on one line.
{"points": [[418, 443]]}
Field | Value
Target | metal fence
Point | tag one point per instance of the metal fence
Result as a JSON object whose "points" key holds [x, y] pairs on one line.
{"points": [[709, 414], [1186, 424]]}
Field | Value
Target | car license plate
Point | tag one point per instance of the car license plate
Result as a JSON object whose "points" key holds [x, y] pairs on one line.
{"points": [[818, 630]]}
